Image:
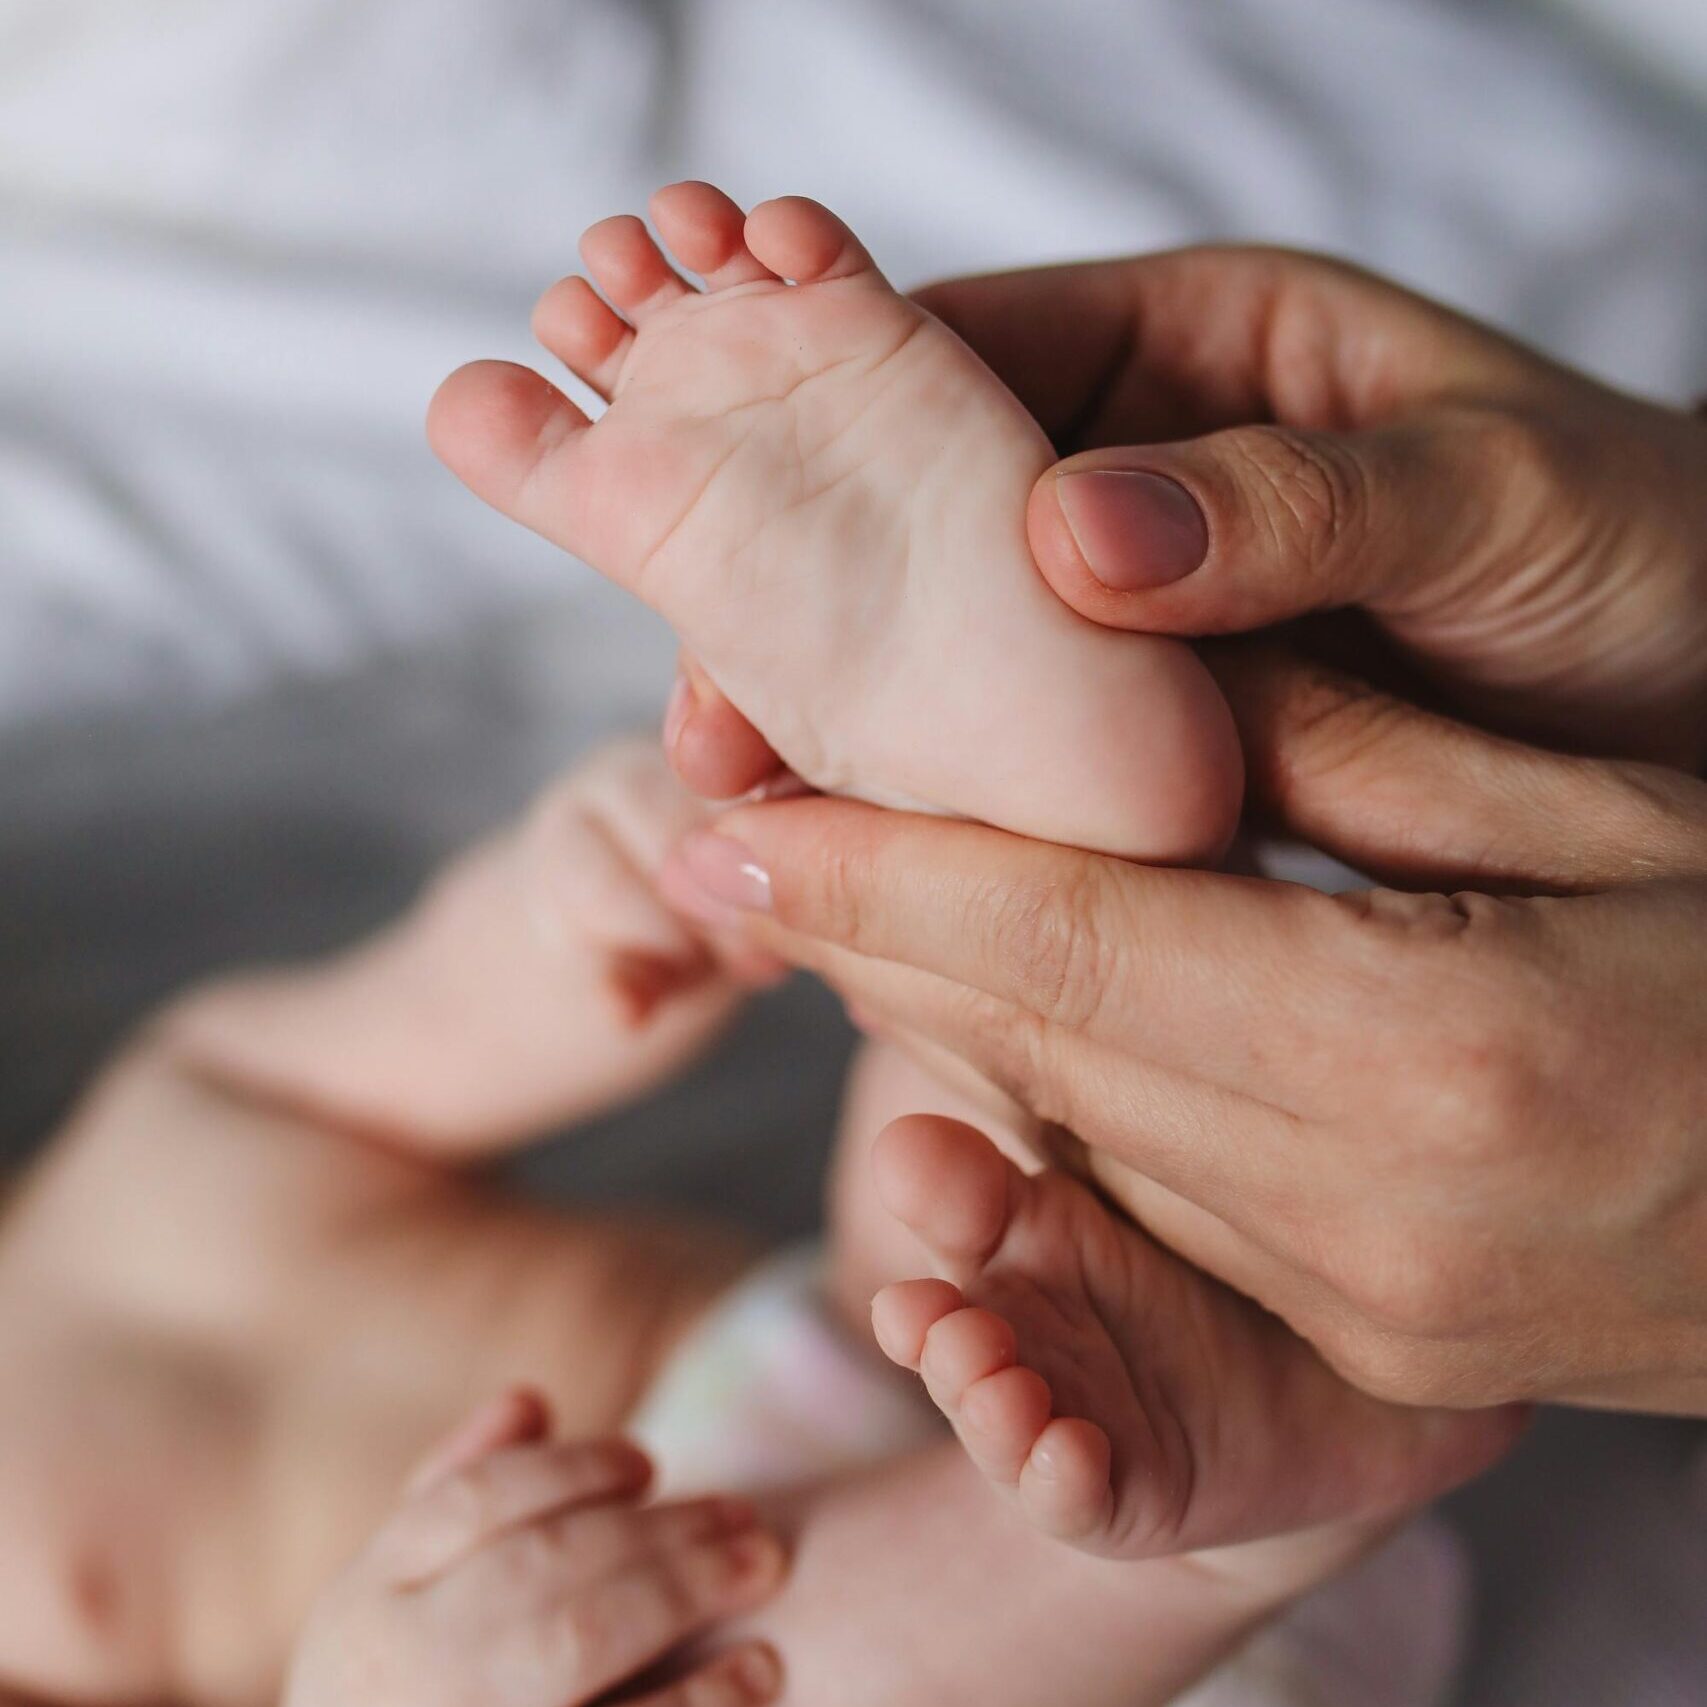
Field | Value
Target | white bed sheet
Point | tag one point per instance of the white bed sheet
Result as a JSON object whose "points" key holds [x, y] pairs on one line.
{"points": [[242, 242]]}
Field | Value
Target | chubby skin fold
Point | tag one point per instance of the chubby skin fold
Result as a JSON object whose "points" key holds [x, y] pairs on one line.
{"points": [[823, 490]]}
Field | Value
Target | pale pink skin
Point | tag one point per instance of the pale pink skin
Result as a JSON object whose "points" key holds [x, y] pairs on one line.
{"points": [[824, 491], [531, 1571], [1125, 1402], [244, 1290]]}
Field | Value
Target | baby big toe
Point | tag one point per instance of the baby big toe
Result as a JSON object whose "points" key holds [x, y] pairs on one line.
{"points": [[802, 240], [704, 230], [948, 1183], [629, 268], [494, 424]]}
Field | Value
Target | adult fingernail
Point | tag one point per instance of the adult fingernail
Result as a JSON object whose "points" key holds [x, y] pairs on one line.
{"points": [[1134, 529], [726, 872]]}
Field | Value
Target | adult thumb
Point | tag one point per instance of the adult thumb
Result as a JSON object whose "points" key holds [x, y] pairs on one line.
{"points": [[1254, 525]]}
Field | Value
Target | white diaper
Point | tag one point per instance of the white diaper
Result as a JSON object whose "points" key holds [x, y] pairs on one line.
{"points": [[770, 1390]]}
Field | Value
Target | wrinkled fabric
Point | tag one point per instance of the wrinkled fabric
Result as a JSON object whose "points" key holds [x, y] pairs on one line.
{"points": [[243, 243]]}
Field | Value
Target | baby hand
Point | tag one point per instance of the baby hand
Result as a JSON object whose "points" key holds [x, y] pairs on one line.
{"points": [[518, 1572]]}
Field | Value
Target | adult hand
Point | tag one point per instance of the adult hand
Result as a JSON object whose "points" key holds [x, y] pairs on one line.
{"points": [[1458, 1142], [1290, 435]]}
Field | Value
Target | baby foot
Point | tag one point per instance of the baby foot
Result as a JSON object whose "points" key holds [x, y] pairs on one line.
{"points": [[824, 491], [1130, 1404]]}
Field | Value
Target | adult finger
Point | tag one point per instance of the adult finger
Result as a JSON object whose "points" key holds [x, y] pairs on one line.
{"points": [[1354, 443], [1421, 800], [1259, 523], [1225, 1181], [1236, 1155], [1162, 346], [1195, 965]]}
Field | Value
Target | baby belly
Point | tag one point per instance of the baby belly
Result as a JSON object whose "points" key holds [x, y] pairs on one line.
{"points": [[107, 1456]]}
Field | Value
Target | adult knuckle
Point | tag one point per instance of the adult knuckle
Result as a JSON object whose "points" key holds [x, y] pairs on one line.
{"points": [[1490, 1049], [836, 903], [1525, 452], [1309, 492], [1336, 727], [1455, 998], [1479, 1100], [1008, 1045], [1413, 1289], [1538, 481], [1390, 919], [1391, 1365], [1054, 947]]}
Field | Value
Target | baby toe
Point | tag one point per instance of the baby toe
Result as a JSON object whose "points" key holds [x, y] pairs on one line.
{"points": [[802, 240], [949, 1184], [585, 333], [629, 267], [1000, 1419], [704, 229], [963, 1347], [903, 1314], [1064, 1486], [494, 424]]}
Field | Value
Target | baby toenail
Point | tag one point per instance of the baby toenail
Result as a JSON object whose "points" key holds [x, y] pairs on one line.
{"points": [[727, 872], [1134, 529], [1046, 1460]]}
